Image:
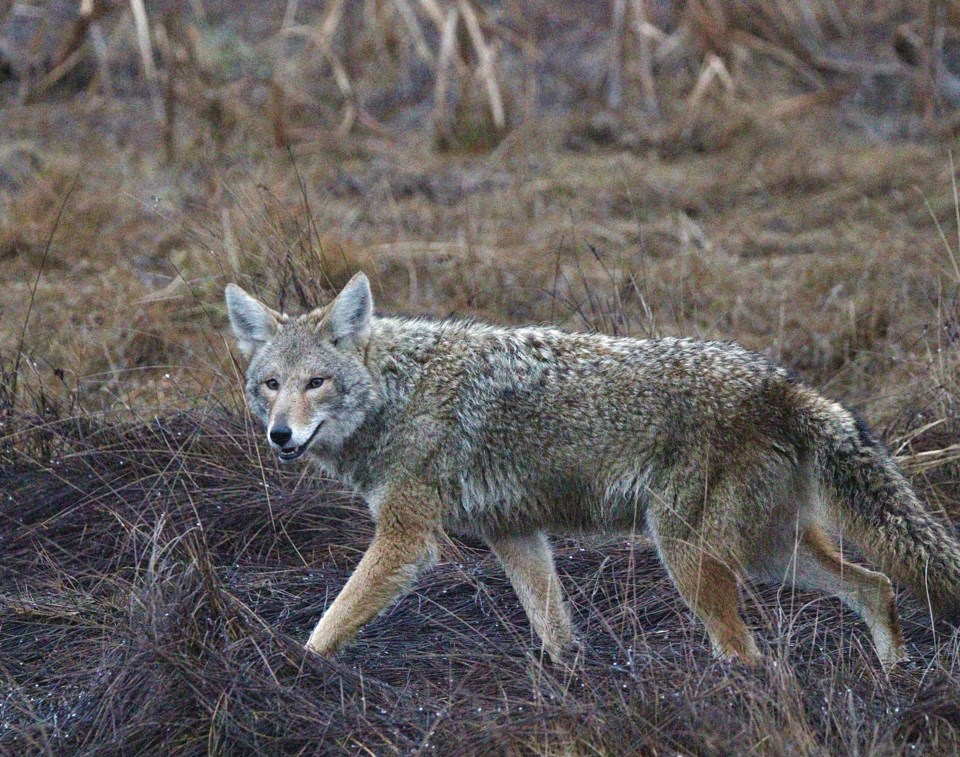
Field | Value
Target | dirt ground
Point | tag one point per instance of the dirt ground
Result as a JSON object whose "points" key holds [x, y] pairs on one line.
{"points": [[160, 572]]}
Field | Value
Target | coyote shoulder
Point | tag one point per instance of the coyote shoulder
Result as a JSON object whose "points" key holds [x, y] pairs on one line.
{"points": [[733, 468]]}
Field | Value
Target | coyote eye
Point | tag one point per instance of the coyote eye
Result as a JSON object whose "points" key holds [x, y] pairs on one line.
{"points": [[315, 383], [272, 384]]}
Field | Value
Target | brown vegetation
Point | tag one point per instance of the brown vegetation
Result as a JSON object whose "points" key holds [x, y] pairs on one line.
{"points": [[715, 169]]}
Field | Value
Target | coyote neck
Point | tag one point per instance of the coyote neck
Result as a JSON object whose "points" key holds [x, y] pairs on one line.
{"points": [[397, 355], [399, 349]]}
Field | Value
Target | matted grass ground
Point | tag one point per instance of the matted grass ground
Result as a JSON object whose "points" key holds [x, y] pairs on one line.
{"points": [[160, 577]]}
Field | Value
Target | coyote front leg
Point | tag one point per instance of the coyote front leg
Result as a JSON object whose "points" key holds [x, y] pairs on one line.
{"points": [[401, 547]]}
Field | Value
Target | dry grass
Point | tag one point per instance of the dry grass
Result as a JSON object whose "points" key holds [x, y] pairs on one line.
{"points": [[159, 574]]}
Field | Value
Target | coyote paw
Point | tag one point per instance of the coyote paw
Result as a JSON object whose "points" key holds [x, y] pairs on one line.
{"points": [[564, 652], [323, 644], [889, 645], [317, 649], [892, 656], [744, 652]]}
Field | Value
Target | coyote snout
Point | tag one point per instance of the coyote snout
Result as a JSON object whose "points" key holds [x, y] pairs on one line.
{"points": [[287, 444], [280, 435], [735, 470]]}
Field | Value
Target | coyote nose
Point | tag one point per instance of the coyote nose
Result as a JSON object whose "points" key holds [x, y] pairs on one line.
{"points": [[280, 435]]}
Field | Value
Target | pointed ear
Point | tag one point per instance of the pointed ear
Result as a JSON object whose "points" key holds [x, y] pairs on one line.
{"points": [[252, 322], [350, 313]]}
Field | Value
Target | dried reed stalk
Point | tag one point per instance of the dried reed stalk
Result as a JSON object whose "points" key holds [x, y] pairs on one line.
{"points": [[77, 32], [171, 69], [918, 462], [320, 38], [445, 56], [434, 13], [615, 68], [934, 34], [277, 121], [142, 25], [372, 12], [807, 73], [277, 93], [100, 50], [646, 32], [713, 69], [413, 27], [487, 64], [69, 51], [531, 85], [791, 106]]}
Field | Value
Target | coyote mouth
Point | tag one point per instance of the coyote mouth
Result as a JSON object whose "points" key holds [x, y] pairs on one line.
{"points": [[286, 455]]}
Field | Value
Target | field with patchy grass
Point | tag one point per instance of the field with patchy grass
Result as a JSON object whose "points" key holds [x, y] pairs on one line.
{"points": [[783, 179]]}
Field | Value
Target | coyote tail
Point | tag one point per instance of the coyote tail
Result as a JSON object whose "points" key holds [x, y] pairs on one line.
{"points": [[877, 509]]}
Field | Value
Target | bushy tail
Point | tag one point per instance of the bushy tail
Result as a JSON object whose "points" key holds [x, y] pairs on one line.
{"points": [[877, 509]]}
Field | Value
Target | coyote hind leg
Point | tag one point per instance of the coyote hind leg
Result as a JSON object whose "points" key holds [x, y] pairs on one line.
{"points": [[868, 593], [528, 563], [710, 588]]}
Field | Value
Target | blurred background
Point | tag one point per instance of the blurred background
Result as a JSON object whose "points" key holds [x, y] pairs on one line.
{"points": [[777, 172]]}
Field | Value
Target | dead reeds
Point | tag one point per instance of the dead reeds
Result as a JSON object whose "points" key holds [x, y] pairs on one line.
{"points": [[465, 60]]}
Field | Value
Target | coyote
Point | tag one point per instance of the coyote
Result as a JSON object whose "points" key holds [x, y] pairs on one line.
{"points": [[733, 468]]}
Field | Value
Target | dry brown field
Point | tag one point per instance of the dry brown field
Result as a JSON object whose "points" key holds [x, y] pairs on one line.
{"points": [[780, 174]]}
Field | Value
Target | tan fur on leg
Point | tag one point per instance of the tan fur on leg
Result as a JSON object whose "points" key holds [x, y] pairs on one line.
{"points": [[528, 563], [710, 588], [867, 592], [403, 545], [386, 570]]}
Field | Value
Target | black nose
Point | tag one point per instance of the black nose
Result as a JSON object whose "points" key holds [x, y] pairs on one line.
{"points": [[280, 435]]}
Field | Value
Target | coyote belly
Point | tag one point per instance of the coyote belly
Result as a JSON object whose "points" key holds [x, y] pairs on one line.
{"points": [[734, 469]]}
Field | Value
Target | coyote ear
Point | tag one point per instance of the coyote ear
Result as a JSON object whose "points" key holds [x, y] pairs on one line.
{"points": [[351, 311], [252, 322]]}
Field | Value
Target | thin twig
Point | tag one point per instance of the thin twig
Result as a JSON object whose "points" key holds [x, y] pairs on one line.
{"points": [[413, 26], [36, 282], [446, 55]]}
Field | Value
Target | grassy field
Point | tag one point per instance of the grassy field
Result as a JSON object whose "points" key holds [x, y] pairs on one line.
{"points": [[159, 570]]}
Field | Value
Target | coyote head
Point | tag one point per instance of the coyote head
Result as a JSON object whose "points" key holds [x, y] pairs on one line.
{"points": [[307, 380]]}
